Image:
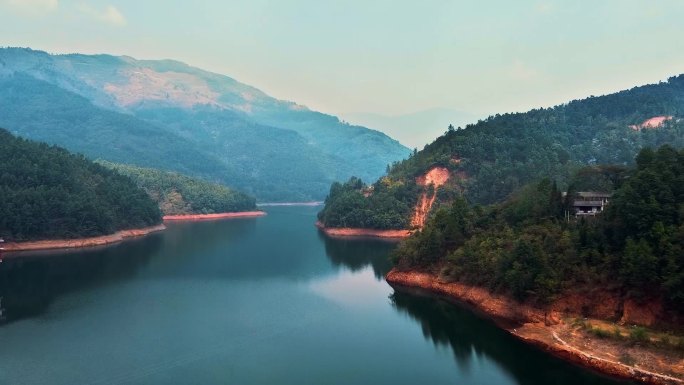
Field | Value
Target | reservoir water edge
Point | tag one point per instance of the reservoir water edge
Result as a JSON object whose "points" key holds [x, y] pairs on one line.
{"points": [[267, 300]]}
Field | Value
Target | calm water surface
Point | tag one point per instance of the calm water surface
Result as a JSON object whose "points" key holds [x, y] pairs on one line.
{"points": [[249, 301]]}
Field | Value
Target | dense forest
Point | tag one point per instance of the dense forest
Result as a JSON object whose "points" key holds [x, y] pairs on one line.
{"points": [[48, 193], [494, 157], [352, 204], [527, 247], [179, 194]]}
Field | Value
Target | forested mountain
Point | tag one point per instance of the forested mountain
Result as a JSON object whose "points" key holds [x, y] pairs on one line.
{"points": [[527, 248], [48, 193], [167, 115], [490, 159], [177, 194]]}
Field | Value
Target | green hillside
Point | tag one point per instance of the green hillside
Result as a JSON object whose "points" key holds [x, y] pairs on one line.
{"points": [[179, 194], [526, 247], [48, 193], [492, 158]]}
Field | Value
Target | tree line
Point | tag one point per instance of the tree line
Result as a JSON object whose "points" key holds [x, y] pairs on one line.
{"points": [[48, 193], [178, 194], [492, 158]]}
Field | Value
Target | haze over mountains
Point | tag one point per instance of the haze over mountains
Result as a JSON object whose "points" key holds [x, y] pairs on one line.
{"points": [[416, 129], [168, 115]]}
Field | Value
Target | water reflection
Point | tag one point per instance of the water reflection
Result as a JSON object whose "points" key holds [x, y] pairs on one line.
{"points": [[30, 283], [244, 249], [357, 253], [470, 338]]}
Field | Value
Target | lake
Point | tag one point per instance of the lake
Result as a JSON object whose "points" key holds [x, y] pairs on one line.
{"points": [[246, 301]]}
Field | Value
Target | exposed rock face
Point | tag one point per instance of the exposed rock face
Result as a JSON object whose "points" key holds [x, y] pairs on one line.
{"points": [[436, 178], [654, 122], [174, 88]]}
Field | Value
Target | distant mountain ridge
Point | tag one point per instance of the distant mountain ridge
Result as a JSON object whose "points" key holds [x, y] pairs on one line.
{"points": [[166, 114]]}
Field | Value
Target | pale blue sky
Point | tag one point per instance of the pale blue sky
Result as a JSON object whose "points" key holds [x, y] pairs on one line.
{"points": [[387, 57]]}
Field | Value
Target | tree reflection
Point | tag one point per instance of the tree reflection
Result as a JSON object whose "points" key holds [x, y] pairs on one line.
{"points": [[30, 283], [470, 337], [357, 253]]}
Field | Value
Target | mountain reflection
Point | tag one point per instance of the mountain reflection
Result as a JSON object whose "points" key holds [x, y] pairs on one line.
{"points": [[29, 283], [470, 337], [356, 254]]}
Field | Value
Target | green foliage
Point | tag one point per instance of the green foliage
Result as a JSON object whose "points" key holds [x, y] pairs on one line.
{"points": [[386, 206], [180, 194], [525, 246], [48, 193], [600, 333], [639, 334], [495, 157]]}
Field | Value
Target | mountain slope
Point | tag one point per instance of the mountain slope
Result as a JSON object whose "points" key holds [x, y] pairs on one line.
{"points": [[49, 193], [489, 160], [177, 194], [209, 125], [527, 248]]}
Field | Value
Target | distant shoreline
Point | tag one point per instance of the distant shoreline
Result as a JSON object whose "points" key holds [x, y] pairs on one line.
{"points": [[348, 232], [119, 236], [312, 203], [211, 217], [54, 244]]}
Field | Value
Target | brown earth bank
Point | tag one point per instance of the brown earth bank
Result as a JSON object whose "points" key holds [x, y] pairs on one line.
{"points": [[80, 242], [211, 217], [313, 203], [358, 232], [552, 329]]}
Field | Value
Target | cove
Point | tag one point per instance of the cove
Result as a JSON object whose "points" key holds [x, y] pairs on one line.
{"points": [[266, 300]]}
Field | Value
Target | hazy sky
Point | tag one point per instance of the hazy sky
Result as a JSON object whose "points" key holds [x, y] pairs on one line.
{"points": [[388, 57]]}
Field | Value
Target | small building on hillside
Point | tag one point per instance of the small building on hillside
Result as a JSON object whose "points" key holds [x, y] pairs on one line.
{"points": [[590, 202]]}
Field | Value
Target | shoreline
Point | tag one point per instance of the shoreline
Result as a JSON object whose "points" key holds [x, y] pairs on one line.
{"points": [[276, 204], [344, 232], [10, 248], [212, 217], [55, 244], [534, 326]]}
